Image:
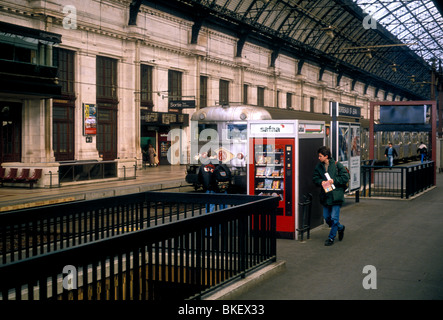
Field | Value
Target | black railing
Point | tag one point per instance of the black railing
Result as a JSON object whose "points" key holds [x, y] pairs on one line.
{"points": [[30, 232], [174, 260], [398, 182], [87, 170], [305, 210]]}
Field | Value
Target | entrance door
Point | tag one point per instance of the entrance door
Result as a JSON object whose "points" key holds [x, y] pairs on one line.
{"points": [[107, 131], [10, 133], [63, 131]]}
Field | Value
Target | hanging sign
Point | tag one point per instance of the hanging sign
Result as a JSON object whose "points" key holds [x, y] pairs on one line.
{"points": [[182, 104], [349, 111]]}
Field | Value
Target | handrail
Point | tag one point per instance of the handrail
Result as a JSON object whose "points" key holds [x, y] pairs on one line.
{"points": [[33, 231], [172, 254], [399, 181], [69, 168]]}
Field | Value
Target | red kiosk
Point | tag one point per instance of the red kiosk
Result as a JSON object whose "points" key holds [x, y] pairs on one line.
{"points": [[282, 157]]}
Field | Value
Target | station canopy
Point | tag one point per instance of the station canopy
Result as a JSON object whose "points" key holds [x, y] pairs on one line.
{"points": [[392, 45]]}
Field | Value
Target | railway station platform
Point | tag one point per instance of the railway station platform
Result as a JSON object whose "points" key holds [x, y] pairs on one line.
{"points": [[391, 250], [148, 179]]}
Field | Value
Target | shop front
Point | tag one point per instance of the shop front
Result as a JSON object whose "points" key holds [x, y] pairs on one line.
{"points": [[155, 128]]}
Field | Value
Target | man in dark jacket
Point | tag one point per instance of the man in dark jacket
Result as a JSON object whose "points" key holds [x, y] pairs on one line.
{"points": [[331, 200], [390, 153], [205, 177]]}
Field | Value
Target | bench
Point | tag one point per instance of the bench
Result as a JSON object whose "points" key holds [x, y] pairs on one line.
{"points": [[12, 174], [23, 175], [22, 178], [34, 178]]}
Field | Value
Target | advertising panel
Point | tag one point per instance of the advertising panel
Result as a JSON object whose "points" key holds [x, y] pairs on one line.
{"points": [[89, 119]]}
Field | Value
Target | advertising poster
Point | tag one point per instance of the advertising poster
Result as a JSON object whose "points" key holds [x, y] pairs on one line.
{"points": [[343, 141], [349, 150], [354, 165], [89, 119]]}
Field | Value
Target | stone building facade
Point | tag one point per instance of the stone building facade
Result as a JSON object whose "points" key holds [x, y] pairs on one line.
{"points": [[129, 74]]}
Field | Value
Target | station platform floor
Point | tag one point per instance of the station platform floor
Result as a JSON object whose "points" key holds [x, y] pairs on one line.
{"points": [[401, 239], [164, 177]]}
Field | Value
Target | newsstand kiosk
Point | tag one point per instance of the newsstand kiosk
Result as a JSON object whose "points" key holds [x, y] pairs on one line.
{"points": [[282, 157]]}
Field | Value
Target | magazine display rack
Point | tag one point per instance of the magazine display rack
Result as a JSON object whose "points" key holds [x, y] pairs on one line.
{"points": [[269, 170]]}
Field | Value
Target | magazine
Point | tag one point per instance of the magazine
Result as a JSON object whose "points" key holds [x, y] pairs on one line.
{"points": [[268, 183], [260, 159], [327, 186], [276, 184], [260, 171]]}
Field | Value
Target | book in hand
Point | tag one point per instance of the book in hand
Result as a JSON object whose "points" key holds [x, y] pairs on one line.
{"points": [[327, 186]]}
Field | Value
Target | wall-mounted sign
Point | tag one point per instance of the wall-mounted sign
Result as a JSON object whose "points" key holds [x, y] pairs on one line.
{"points": [[168, 118], [149, 116], [161, 118], [182, 104], [310, 128], [349, 111], [272, 128], [89, 119]]}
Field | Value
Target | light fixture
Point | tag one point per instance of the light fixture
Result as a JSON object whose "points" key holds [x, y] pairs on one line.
{"points": [[412, 78], [328, 31], [368, 53], [394, 67], [423, 83]]}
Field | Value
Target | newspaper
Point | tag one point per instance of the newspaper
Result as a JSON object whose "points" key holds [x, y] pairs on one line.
{"points": [[327, 186]]}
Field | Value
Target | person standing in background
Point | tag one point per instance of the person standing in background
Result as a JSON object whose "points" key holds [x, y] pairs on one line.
{"points": [[423, 151], [390, 153]]}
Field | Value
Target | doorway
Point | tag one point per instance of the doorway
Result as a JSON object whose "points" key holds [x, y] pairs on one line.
{"points": [[10, 133]]}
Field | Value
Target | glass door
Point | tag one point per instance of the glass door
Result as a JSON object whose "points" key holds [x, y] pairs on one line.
{"points": [[269, 170], [272, 174]]}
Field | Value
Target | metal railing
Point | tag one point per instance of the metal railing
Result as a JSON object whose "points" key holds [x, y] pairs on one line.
{"points": [[29, 232], [398, 182], [172, 258], [87, 170]]}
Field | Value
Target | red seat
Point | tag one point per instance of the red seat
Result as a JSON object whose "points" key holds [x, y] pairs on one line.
{"points": [[10, 176], [23, 175], [34, 178]]}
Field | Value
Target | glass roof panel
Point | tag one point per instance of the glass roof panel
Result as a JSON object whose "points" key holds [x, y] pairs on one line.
{"points": [[332, 27], [417, 21]]}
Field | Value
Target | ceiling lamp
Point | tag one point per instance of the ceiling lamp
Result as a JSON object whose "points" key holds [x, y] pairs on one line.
{"points": [[328, 31]]}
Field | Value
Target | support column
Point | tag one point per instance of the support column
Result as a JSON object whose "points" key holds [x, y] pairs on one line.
{"points": [[86, 89], [371, 130]]}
